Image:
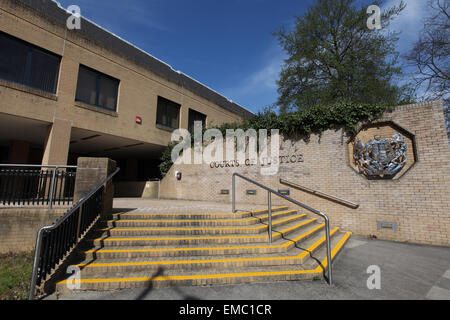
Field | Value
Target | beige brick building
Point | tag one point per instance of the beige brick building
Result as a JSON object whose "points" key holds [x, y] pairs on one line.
{"points": [[416, 201], [68, 93], [65, 94]]}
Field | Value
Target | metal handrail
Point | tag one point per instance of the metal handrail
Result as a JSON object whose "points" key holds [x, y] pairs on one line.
{"points": [[321, 194], [270, 191], [57, 224], [55, 167], [35, 166]]}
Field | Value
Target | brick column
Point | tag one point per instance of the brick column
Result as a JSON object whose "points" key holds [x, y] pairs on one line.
{"points": [[90, 172], [56, 147]]}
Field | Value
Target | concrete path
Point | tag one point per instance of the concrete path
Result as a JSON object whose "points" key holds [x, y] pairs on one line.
{"points": [[179, 206], [407, 271]]}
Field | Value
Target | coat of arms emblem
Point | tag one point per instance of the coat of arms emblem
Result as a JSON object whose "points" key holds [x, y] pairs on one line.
{"points": [[381, 157]]}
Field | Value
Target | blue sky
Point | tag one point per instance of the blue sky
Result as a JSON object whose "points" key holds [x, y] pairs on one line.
{"points": [[226, 45]]}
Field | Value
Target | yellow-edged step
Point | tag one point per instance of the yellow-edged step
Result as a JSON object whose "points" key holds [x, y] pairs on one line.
{"points": [[167, 249]]}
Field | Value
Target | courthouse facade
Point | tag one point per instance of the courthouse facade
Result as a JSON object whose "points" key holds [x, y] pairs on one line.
{"points": [[69, 93]]}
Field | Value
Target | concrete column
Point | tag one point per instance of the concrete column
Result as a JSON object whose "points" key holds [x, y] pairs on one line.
{"points": [[57, 144], [184, 117], [90, 172], [18, 152]]}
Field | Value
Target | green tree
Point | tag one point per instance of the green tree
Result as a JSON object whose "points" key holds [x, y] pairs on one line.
{"points": [[333, 55], [430, 56]]}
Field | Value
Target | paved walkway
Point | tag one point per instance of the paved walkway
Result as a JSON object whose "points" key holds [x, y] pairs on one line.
{"points": [[407, 271], [181, 206]]}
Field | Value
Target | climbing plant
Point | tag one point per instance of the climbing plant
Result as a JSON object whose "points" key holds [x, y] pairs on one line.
{"points": [[304, 122]]}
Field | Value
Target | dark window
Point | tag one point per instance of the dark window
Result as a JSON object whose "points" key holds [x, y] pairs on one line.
{"points": [[168, 113], [26, 64], [97, 89], [196, 116]]}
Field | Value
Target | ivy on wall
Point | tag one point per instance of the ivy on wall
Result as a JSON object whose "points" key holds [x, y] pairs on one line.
{"points": [[312, 120]]}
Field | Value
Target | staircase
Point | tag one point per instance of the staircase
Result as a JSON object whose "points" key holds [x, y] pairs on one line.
{"points": [[136, 249]]}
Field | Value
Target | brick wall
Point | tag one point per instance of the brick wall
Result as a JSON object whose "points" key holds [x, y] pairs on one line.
{"points": [[418, 200], [19, 227]]}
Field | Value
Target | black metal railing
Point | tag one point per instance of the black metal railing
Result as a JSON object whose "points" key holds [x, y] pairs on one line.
{"points": [[54, 243], [36, 185]]}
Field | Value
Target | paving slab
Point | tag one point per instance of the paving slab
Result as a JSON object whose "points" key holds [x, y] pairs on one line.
{"points": [[179, 206]]}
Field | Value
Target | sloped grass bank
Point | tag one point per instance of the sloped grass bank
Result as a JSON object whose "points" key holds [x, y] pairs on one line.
{"points": [[15, 275]]}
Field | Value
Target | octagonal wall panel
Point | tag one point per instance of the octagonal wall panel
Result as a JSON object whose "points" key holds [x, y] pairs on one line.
{"points": [[384, 130]]}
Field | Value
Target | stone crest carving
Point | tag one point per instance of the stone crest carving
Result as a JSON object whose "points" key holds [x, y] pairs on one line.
{"points": [[381, 157]]}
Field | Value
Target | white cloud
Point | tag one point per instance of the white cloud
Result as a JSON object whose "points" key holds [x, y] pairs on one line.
{"points": [[409, 22], [110, 11], [259, 89], [266, 77]]}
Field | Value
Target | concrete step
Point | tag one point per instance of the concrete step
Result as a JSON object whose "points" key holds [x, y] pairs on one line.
{"points": [[164, 277], [236, 221], [281, 244], [278, 231], [140, 215], [337, 243], [295, 255], [219, 230]]}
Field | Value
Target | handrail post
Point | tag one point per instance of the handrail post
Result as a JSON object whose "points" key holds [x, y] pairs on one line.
{"points": [[52, 188], [233, 193], [269, 202], [327, 230], [37, 254], [80, 212]]}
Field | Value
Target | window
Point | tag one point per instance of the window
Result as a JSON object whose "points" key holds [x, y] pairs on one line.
{"points": [[97, 89], [195, 116], [26, 64], [168, 113]]}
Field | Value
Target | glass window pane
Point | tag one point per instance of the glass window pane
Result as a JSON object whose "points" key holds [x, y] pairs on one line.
{"points": [[97, 89], [108, 93], [173, 115], [195, 116], [167, 113], [13, 59], [26, 64], [161, 112], [86, 86], [44, 71]]}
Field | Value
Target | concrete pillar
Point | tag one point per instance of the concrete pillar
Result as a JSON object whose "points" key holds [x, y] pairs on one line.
{"points": [[56, 148], [90, 172], [184, 117], [18, 152]]}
